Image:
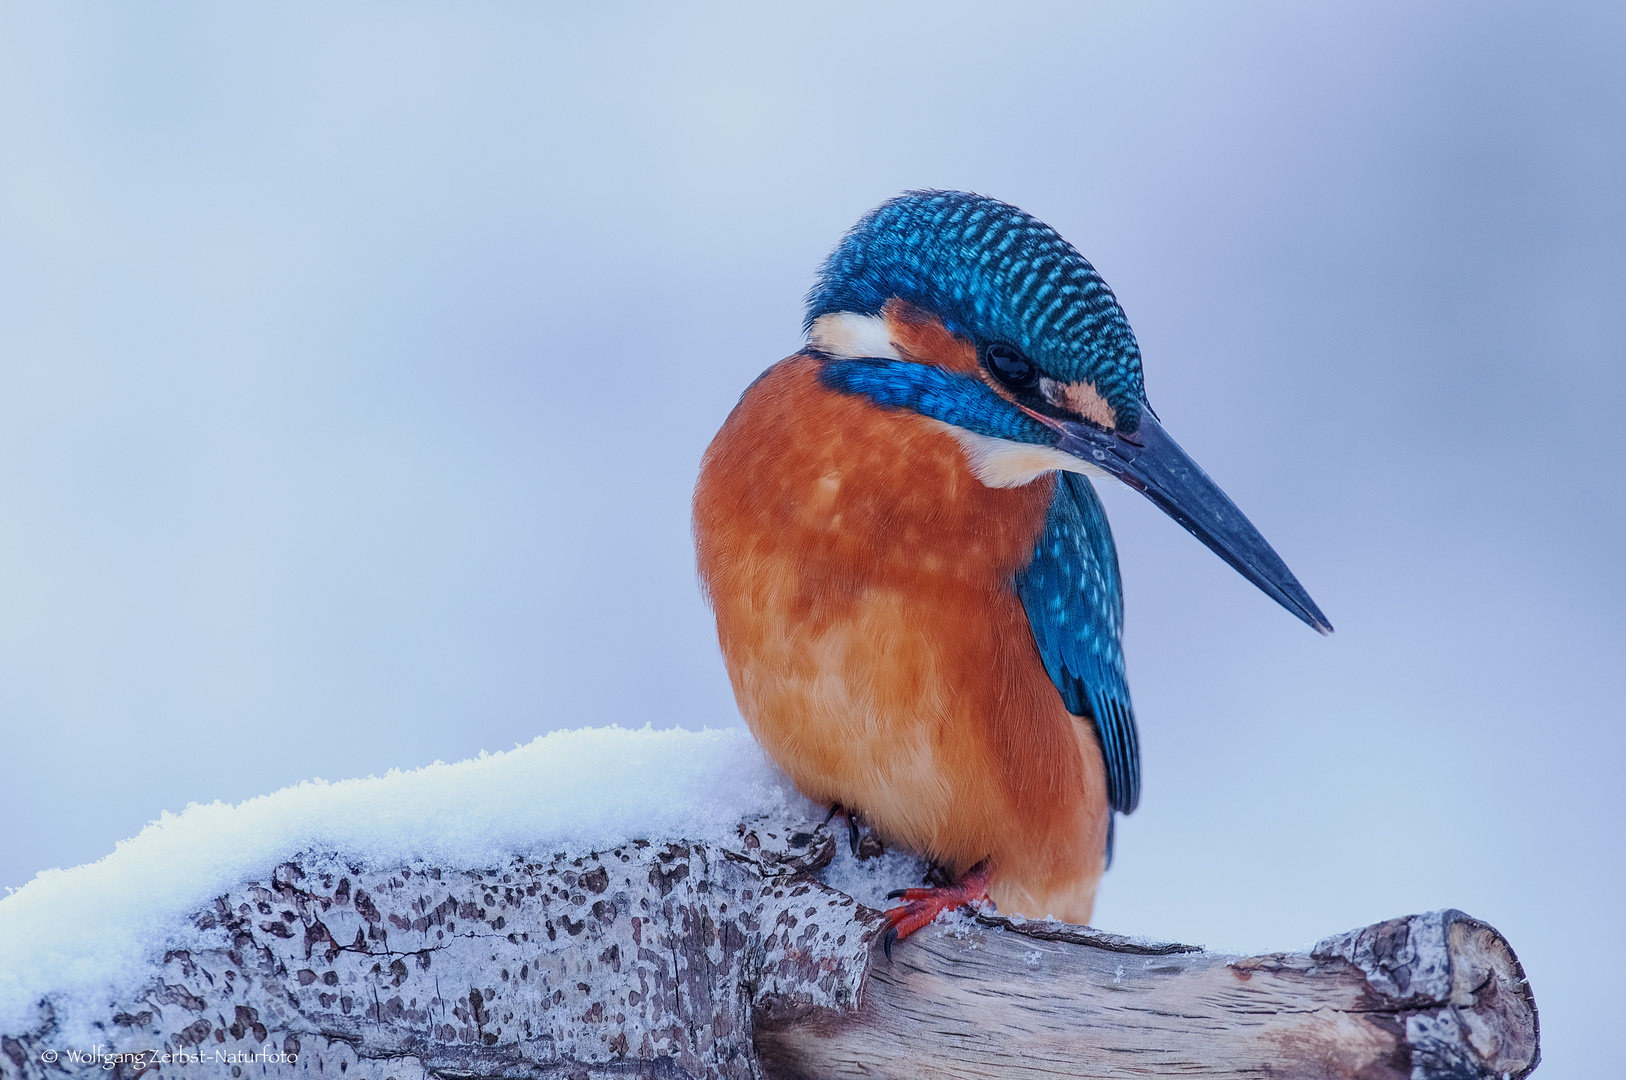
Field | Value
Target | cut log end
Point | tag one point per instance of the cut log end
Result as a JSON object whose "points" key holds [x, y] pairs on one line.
{"points": [[1466, 1005]]}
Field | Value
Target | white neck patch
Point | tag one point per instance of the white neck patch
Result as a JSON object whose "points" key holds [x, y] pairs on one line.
{"points": [[850, 335]]}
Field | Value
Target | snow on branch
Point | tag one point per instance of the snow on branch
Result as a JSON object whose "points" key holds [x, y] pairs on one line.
{"points": [[744, 949]]}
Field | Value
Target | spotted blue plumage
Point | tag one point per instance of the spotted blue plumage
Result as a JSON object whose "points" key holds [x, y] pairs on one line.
{"points": [[1074, 601], [994, 273]]}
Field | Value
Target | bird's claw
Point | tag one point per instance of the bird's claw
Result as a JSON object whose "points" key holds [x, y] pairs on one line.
{"points": [[923, 905], [852, 824]]}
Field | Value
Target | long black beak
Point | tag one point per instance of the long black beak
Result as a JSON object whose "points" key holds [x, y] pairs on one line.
{"points": [[1153, 464]]}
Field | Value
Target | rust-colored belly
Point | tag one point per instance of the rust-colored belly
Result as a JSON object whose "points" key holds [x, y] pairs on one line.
{"points": [[862, 581]]}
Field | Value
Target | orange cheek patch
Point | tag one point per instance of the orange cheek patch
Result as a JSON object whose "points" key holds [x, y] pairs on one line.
{"points": [[1081, 399], [920, 337]]}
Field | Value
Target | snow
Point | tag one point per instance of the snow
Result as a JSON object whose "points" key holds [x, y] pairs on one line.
{"points": [[86, 936], [869, 880]]}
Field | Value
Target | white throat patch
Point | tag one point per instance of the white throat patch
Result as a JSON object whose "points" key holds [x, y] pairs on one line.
{"points": [[1002, 463]]}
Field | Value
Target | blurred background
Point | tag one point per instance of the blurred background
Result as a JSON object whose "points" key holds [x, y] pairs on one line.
{"points": [[356, 363]]}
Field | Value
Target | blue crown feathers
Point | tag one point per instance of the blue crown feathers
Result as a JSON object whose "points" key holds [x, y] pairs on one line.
{"points": [[996, 273]]}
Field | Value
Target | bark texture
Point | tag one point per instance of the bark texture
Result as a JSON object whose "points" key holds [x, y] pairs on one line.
{"points": [[1428, 997], [731, 961]]}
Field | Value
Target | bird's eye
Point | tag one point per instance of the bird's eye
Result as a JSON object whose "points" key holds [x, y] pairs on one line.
{"points": [[1009, 366]]}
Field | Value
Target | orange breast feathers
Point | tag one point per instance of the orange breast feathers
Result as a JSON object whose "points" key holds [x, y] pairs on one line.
{"points": [[862, 579]]}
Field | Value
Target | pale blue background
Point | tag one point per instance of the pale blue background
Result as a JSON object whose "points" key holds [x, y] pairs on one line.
{"points": [[355, 364]]}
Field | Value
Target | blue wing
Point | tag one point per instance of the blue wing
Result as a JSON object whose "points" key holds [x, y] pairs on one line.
{"points": [[1075, 605]]}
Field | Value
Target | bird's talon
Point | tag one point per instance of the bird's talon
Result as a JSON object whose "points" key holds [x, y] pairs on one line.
{"points": [[921, 907], [852, 824]]}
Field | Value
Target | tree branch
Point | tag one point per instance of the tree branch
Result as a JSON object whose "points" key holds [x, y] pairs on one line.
{"points": [[685, 960]]}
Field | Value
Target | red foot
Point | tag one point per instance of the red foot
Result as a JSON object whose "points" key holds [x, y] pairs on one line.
{"points": [[921, 906]]}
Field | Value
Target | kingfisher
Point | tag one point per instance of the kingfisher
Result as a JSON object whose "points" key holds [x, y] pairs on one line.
{"points": [[916, 589]]}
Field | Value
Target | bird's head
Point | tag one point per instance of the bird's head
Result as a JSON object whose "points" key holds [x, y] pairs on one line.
{"points": [[973, 313]]}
